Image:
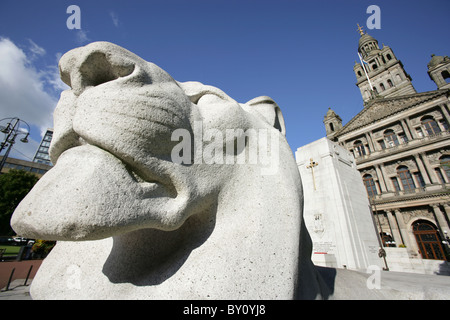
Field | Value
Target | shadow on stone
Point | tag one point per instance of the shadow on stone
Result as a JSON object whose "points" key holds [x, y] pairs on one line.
{"points": [[160, 255]]}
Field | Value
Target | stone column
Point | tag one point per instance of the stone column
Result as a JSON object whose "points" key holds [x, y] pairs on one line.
{"points": [[406, 129], [445, 113], [370, 143], [383, 185], [403, 230], [383, 171], [374, 144], [422, 169], [447, 210], [443, 225], [431, 172], [411, 129], [394, 228]]}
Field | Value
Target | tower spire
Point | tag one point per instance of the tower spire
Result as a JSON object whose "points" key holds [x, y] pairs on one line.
{"points": [[380, 72]]}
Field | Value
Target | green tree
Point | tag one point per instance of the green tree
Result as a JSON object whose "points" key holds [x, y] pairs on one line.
{"points": [[14, 186]]}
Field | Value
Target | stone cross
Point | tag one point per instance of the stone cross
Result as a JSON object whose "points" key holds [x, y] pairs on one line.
{"points": [[311, 166], [360, 29]]}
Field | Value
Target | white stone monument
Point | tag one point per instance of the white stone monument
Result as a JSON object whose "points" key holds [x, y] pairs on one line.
{"points": [[336, 209]]}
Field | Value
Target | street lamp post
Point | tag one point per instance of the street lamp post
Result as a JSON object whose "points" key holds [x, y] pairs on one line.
{"points": [[11, 131]]}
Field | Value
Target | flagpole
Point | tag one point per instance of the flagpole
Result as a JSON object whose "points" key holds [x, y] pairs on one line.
{"points": [[364, 67]]}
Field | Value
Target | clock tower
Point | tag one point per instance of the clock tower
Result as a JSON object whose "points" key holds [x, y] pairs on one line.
{"points": [[380, 73]]}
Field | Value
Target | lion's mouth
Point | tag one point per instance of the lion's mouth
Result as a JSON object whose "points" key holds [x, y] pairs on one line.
{"points": [[153, 182], [91, 194], [156, 187]]}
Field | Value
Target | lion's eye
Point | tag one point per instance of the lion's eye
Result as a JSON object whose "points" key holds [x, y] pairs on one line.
{"points": [[209, 99]]}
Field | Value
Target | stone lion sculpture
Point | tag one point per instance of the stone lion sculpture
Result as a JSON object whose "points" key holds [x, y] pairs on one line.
{"points": [[223, 221]]}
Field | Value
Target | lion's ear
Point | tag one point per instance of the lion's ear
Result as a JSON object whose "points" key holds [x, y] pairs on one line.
{"points": [[269, 110]]}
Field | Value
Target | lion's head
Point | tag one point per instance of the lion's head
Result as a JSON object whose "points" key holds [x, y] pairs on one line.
{"points": [[187, 193], [113, 148]]}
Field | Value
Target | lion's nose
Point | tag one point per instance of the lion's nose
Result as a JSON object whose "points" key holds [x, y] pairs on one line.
{"points": [[91, 66]]}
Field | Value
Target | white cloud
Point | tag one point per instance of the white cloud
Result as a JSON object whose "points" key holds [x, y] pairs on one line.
{"points": [[23, 90], [52, 77], [81, 36], [36, 50], [115, 18]]}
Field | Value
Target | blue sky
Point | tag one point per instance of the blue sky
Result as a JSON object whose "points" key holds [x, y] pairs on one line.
{"points": [[300, 53]]}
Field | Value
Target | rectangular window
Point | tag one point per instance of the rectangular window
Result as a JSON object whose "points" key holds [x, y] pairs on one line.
{"points": [[370, 186], [419, 132], [403, 138], [395, 184], [382, 144], [419, 179]]}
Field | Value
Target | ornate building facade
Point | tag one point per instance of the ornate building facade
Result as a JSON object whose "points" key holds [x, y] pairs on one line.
{"points": [[401, 143]]}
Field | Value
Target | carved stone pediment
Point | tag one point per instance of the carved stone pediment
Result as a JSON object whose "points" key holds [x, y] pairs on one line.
{"points": [[381, 108]]}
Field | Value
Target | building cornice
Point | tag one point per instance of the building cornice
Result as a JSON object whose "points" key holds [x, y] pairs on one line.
{"points": [[412, 199]]}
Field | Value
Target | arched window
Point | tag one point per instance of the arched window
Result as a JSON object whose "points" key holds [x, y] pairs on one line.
{"points": [[390, 83], [445, 165], [359, 74], [446, 75], [428, 240], [395, 184], [419, 179], [331, 127], [406, 178], [370, 185], [388, 56], [366, 94], [359, 148], [391, 138], [430, 125]]}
